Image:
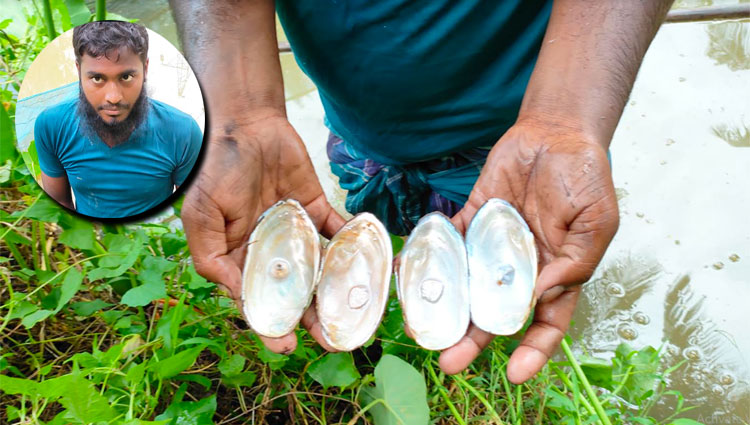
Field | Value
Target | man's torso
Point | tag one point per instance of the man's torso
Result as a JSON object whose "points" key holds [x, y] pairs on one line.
{"points": [[125, 179]]}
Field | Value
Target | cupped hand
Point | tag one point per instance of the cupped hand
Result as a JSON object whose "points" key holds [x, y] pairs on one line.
{"points": [[249, 167], [561, 184]]}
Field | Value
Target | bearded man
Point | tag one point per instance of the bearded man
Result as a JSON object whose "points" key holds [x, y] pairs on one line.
{"points": [[119, 151]]}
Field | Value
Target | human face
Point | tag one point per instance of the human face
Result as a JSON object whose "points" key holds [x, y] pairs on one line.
{"points": [[112, 84]]}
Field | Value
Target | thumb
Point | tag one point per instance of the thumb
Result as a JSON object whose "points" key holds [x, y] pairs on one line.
{"points": [[325, 218]]}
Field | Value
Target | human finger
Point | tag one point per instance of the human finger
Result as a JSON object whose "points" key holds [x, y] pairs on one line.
{"points": [[551, 321], [206, 235], [458, 357], [312, 324]]}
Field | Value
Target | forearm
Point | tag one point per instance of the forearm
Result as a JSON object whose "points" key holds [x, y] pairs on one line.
{"points": [[588, 62], [233, 49], [58, 188]]}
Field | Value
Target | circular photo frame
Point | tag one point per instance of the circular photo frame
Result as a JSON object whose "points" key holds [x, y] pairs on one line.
{"points": [[110, 120]]}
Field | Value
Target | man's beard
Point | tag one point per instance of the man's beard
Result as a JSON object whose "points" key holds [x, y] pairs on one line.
{"points": [[112, 133]]}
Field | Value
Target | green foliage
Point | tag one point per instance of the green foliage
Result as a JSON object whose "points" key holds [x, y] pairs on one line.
{"points": [[399, 395], [334, 370]]}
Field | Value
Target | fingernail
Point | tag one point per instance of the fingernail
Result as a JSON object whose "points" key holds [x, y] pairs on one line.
{"points": [[551, 293]]}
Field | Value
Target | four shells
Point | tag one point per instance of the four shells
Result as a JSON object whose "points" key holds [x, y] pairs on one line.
{"points": [[441, 280]]}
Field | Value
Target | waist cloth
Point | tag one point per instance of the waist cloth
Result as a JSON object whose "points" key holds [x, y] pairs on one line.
{"points": [[399, 195]]}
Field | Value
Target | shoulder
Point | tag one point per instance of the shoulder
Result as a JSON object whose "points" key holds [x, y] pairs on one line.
{"points": [[59, 113], [169, 115]]}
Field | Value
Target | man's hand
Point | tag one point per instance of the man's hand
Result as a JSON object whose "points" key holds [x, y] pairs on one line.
{"points": [[561, 184], [248, 168]]}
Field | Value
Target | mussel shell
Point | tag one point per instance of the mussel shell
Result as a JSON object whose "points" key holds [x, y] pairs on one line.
{"points": [[433, 283], [502, 268], [278, 280], [354, 282]]}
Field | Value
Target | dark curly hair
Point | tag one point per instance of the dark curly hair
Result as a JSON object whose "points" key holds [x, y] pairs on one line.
{"points": [[101, 38]]}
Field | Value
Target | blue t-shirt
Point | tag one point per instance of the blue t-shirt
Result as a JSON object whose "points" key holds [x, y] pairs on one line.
{"points": [[124, 180], [405, 80]]}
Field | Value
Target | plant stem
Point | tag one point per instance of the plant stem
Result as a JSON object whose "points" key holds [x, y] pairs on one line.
{"points": [[444, 394], [48, 22], [586, 385], [101, 10], [479, 397]]}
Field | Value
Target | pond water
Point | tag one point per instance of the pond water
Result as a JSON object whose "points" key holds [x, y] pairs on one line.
{"points": [[677, 274]]}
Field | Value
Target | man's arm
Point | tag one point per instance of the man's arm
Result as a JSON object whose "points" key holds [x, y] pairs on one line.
{"points": [[254, 157], [588, 62], [59, 189], [552, 164]]}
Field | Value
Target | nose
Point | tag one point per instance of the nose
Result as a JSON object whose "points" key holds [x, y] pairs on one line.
{"points": [[113, 95]]}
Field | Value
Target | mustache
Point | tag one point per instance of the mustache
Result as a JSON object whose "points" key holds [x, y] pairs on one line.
{"points": [[114, 107]]}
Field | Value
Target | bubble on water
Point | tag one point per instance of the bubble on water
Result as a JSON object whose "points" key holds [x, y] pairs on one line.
{"points": [[670, 142], [718, 390], [431, 290], [718, 265], [641, 318], [676, 241], [693, 340], [616, 290], [358, 296], [639, 214], [727, 379], [693, 354], [672, 350], [734, 258], [627, 332], [682, 79]]}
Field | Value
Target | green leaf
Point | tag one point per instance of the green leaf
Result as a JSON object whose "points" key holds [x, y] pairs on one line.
{"points": [[244, 379], [334, 370], [198, 379], [7, 136], [274, 361], [35, 317], [136, 372], [78, 233], [10, 385], [153, 268], [123, 253], [232, 365], [199, 412], [45, 209], [172, 244], [401, 391], [84, 402], [71, 285], [87, 308], [174, 365], [79, 13], [144, 294]]}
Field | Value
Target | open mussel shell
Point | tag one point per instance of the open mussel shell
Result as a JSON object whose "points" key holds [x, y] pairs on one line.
{"points": [[354, 281], [278, 280], [433, 283], [502, 268]]}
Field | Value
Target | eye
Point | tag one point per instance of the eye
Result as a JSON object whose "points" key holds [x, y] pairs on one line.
{"points": [[127, 77], [96, 79]]}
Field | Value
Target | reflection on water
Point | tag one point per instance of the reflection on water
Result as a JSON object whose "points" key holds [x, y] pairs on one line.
{"points": [[609, 302], [738, 137], [730, 44], [714, 371]]}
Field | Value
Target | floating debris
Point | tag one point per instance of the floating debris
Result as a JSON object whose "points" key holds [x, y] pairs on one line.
{"points": [[670, 142], [677, 242], [639, 214], [734, 258], [718, 265], [682, 79]]}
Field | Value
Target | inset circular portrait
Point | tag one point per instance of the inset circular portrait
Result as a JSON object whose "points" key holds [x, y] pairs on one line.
{"points": [[110, 120]]}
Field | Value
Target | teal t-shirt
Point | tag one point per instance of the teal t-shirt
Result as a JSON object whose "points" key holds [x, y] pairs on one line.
{"points": [[124, 180], [406, 81]]}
